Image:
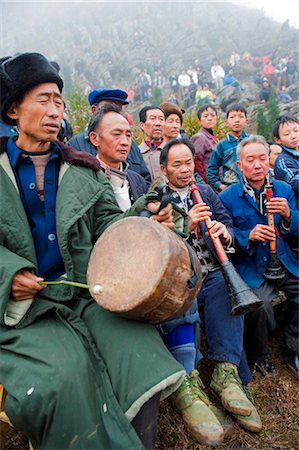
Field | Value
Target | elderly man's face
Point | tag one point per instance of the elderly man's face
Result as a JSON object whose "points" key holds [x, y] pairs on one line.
{"points": [[254, 163], [38, 116], [153, 127], [113, 138]]}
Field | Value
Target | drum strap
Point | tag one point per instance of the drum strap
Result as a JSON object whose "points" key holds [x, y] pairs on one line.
{"points": [[195, 275]]}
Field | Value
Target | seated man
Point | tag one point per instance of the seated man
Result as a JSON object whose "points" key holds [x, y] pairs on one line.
{"points": [[110, 133], [247, 205], [69, 381], [224, 332]]}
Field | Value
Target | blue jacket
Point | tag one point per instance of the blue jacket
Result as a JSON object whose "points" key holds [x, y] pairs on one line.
{"points": [[82, 143], [286, 168], [251, 257], [224, 156]]}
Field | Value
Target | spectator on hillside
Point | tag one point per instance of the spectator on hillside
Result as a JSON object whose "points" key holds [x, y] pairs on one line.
{"points": [[280, 74], [292, 72], [204, 95], [174, 84], [230, 80], [217, 73], [284, 96], [269, 71], [266, 91]]}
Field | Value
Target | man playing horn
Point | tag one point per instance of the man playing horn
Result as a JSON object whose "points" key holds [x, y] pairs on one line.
{"points": [[248, 206], [224, 332]]}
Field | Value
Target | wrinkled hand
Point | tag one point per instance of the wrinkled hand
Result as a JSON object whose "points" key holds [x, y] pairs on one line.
{"points": [[25, 285], [279, 205], [198, 213], [164, 216], [262, 233], [218, 229]]}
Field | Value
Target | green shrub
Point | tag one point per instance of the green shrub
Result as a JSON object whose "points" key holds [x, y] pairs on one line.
{"points": [[78, 109], [191, 125], [266, 116]]}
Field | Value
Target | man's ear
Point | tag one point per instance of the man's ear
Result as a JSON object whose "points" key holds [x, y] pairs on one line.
{"points": [[94, 108], [277, 140], [239, 164], [94, 138], [163, 170], [141, 125], [12, 112]]}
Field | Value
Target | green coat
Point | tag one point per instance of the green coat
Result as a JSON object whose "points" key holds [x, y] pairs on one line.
{"points": [[102, 354]]}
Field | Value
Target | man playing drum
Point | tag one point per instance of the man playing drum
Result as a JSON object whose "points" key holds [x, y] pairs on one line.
{"points": [[224, 332], [76, 376]]}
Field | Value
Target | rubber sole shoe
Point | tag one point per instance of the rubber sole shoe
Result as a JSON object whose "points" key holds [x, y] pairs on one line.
{"points": [[225, 421], [226, 384], [198, 418], [251, 423]]}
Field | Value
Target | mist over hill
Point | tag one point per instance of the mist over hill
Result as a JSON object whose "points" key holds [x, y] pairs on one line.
{"points": [[96, 43]]}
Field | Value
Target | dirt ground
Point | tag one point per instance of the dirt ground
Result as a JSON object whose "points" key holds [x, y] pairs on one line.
{"points": [[277, 400]]}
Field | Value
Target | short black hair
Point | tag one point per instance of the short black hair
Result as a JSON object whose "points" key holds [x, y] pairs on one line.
{"points": [[282, 120], [236, 107], [145, 109], [176, 141], [204, 108], [98, 115]]}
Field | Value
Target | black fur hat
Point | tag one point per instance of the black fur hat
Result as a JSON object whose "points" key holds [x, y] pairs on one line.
{"points": [[19, 74]]}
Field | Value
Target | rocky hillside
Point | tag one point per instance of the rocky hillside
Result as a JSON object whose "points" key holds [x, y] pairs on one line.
{"points": [[101, 43]]}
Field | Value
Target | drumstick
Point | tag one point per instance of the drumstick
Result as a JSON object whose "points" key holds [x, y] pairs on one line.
{"points": [[97, 289]]}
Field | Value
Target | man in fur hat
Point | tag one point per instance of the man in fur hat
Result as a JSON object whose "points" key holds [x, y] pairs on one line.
{"points": [[76, 376]]}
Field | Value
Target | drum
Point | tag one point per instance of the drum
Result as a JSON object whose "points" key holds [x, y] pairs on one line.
{"points": [[142, 270]]}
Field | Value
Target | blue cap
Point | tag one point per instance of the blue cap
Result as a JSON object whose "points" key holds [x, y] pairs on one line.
{"points": [[96, 96]]}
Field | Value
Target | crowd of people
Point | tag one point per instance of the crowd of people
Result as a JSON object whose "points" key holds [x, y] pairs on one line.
{"points": [[194, 84], [61, 352]]}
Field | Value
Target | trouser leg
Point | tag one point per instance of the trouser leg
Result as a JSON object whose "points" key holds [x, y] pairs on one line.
{"points": [[290, 286], [224, 332], [55, 389], [258, 326], [145, 422]]}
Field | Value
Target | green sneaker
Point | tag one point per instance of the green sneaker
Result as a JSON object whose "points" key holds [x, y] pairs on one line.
{"points": [[251, 423], [227, 385], [193, 404]]}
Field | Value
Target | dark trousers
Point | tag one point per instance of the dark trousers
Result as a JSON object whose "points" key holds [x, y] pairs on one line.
{"points": [[261, 322]]}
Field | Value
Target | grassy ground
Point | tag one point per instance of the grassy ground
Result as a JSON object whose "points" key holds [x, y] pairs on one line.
{"points": [[277, 400]]}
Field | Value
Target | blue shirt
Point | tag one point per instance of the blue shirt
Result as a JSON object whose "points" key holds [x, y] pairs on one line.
{"points": [[41, 214]]}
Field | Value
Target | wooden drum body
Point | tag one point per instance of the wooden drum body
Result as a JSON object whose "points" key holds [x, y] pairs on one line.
{"points": [[143, 268]]}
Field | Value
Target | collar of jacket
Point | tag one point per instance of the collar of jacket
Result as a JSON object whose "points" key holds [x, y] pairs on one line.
{"points": [[69, 154], [291, 151]]}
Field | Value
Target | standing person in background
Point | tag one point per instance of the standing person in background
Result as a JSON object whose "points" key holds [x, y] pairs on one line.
{"points": [[204, 141], [173, 121], [222, 169], [217, 73], [152, 123]]}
